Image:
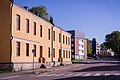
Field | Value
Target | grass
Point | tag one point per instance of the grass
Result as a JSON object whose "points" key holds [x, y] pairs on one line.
{"points": [[4, 71], [76, 60]]}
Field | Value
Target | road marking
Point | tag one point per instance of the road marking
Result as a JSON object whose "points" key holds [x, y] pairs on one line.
{"points": [[70, 74], [117, 74], [97, 74], [78, 75], [41, 75], [10, 77], [59, 74], [87, 74], [51, 75], [106, 74]]}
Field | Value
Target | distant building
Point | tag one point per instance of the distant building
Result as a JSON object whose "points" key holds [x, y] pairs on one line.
{"points": [[95, 47], [78, 45]]}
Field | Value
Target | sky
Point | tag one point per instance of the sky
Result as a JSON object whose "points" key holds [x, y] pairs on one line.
{"points": [[95, 18]]}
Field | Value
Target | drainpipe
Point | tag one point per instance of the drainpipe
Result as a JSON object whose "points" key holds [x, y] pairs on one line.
{"points": [[51, 21], [11, 37]]}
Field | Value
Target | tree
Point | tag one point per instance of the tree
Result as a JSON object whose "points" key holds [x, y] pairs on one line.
{"points": [[40, 11], [89, 50], [113, 42], [102, 46]]}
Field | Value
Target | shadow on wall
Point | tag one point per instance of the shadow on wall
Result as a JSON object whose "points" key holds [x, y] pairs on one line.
{"points": [[6, 66]]}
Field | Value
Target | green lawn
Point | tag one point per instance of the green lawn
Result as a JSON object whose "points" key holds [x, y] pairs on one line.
{"points": [[76, 60]]}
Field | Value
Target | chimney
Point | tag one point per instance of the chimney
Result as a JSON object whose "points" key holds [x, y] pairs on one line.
{"points": [[25, 7], [51, 20], [11, 1]]}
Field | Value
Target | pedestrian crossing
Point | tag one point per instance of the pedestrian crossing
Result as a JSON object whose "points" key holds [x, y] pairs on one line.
{"points": [[79, 74]]}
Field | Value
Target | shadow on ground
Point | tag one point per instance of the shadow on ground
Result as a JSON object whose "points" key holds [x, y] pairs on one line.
{"points": [[92, 78], [100, 68]]}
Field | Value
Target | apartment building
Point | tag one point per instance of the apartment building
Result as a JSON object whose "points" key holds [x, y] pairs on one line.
{"points": [[78, 45], [26, 37]]}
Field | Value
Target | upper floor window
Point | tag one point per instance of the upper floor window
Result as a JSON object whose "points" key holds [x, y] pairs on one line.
{"points": [[40, 30], [63, 39], [34, 28], [49, 34], [27, 25], [72, 39], [66, 39], [18, 22], [59, 37], [53, 35], [17, 48]]}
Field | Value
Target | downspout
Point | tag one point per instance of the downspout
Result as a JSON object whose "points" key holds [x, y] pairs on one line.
{"points": [[51, 21], [52, 43], [11, 37]]}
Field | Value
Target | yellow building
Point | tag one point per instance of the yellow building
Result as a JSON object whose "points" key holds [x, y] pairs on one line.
{"points": [[23, 33]]}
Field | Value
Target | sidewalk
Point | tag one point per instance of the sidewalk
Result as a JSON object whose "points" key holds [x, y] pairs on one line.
{"points": [[39, 71]]}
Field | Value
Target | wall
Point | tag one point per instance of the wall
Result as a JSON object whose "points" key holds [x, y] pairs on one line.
{"points": [[4, 31], [30, 38]]}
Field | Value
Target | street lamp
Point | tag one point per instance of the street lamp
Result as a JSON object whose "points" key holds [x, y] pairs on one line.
{"points": [[33, 51]]}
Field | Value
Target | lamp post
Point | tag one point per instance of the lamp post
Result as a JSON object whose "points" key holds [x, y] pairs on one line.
{"points": [[33, 51]]}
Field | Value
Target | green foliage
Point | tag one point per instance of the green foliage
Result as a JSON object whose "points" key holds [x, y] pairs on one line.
{"points": [[102, 46], [113, 42], [89, 50], [40, 11]]}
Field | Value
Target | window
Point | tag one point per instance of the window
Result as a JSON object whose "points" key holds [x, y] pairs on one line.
{"points": [[82, 46], [66, 39], [59, 37], [54, 52], [72, 45], [82, 51], [18, 22], [69, 54], [63, 39], [34, 28], [35, 50], [49, 34], [53, 35], [27, 49], [40, 30], [72, 50], [49, 52], [27, 25], [18, 49], [66, 54], [63, 53], [82, 40], [72, 39]]}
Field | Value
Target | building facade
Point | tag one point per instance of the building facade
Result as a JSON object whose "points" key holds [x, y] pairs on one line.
{"points": [[26, 37], [78, 45]]}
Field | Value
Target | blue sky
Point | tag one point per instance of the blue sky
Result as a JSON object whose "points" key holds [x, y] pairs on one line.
{"points": [[95, 18]]}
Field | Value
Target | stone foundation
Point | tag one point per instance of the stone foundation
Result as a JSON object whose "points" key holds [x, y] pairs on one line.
{"points": [[6, 66], [28, 66]]}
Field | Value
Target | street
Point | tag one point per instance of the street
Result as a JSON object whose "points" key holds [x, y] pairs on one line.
{"points": [[91, 71]]}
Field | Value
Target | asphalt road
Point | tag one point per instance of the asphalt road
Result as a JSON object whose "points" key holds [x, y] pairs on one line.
{"points": [[100, 71]]}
